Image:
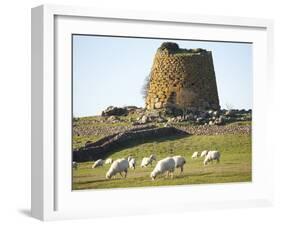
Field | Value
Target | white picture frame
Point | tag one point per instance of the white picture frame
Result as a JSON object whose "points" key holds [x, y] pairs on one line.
{"points": [[52, 197]]}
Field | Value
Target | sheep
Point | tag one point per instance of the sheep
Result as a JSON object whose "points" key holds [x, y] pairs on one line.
{"points": [[75, 165], [98, 163], [129, 158], [132, 163], [118, 166], [109, 161], [212, 155], [179, 161], [204, 153], [195, 155], [165, 165], [147, 161]]}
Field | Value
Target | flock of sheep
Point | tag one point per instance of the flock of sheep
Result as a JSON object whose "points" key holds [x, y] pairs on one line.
{"points": [[166, 165]]}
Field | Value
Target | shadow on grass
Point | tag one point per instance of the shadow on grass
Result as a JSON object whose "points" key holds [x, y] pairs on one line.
{"points": [[120, 141], [200, 174], [91, 181], [133, 143], [102, 180]]}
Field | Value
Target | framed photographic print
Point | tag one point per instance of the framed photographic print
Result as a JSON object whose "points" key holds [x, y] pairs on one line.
{"points": [[154, 112]]}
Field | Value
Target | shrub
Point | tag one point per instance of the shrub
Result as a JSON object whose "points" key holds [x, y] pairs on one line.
{"points": [[145, 87]]}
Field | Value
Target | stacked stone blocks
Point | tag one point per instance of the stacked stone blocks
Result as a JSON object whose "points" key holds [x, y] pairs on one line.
{"points": [[182, 71]]}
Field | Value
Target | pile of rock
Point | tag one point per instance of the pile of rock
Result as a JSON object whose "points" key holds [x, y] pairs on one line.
{"points": [[216, 130], [212, 117], [153, 116], [221, 117], [116, 111], [113, 119], [120, 111], [145, 116]]}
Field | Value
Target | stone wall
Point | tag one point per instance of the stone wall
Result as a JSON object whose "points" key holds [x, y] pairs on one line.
{"points": [[182, 78], [107, 145]]}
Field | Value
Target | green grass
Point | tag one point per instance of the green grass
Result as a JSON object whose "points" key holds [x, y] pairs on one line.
{"points": [[242, 123], [80, 141], [235, 164]]}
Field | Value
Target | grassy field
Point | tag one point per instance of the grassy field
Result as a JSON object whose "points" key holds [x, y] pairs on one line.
{"points": [[235, 164]]}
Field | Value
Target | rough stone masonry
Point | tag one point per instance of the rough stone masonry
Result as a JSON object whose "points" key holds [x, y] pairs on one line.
{"points": [[182, 78]]}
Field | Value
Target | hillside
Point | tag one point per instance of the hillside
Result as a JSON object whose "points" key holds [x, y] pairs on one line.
{"points": [[226, 131]]}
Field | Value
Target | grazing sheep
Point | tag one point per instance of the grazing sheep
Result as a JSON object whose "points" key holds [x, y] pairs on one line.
{"points": [[148, 161], [129, 158], [109, 161], [179, 162], [165, 165], [98, 163], [118, 166], [75, 165], [195, 155], [204, 153], [212, 155], [132, 163]]}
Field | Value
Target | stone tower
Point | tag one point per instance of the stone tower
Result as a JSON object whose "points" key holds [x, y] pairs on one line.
{"points": [[182, 78]]}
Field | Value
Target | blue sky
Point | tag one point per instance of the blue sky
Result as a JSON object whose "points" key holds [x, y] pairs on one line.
{"points": [[111, 71]]}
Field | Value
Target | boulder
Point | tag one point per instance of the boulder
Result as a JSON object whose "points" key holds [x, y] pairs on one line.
{"points": [[223, 118], [219, 121], [153, 113], [179, 118], [215, 113], [144, 119], [199, 120], [114, 111], [230, 112], [158, 105], [161, 120], [173, 119], [112, 118]]}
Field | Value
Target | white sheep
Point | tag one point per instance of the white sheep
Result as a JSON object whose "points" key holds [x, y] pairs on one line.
{"points": [[148, 161], [109, 161], [98, 163], [129, 158], [212, 155], [204, 153], [118, 166], [75, 165], [195, 155], [179, 162], [132, 163], [165, 165]]}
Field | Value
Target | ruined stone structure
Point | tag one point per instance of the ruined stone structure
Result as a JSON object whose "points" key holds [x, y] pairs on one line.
{"points": [[182, 78]]}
